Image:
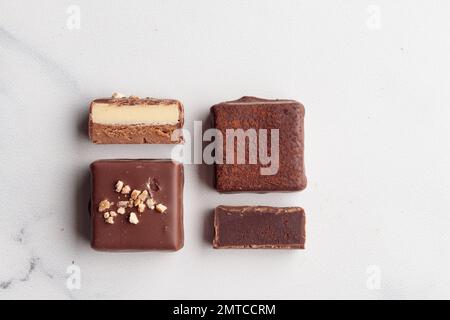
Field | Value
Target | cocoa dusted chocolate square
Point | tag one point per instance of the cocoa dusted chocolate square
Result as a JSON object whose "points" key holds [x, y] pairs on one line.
{"points": [[137, 205], [262, 145]]}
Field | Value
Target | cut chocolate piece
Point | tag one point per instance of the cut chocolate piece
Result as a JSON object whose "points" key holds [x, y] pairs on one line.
{"points": [[259, 227], [120, 222], [277, 145], [133, 120]]}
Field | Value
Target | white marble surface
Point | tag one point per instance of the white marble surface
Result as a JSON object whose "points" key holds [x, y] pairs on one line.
{"points": [[377, 99]]}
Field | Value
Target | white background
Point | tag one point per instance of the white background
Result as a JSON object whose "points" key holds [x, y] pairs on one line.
{"points": [[374, 80]]}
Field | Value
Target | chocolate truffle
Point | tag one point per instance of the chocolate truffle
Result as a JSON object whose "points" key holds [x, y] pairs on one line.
{"points": [[259, 227], [137, 205], [270, 135], [132, 120]]}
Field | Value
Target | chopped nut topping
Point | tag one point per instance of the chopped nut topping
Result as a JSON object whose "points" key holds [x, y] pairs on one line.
{"points": [[143, 196], [134, 97], [119, 186], [151, 204], [141, 207], [126, 189], [161, 208], [137, 202], [130, 203], [133, 218], [153, 184], [118, 95], [121, 210], [103, 205], [122, 204], [135, 194], [110, 220], [113, 214], [106, 215]]}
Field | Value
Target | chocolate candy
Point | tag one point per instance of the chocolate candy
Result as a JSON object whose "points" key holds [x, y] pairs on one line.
{"points": [[277, 145], [137, 205], [133, 120], [259, 227]]}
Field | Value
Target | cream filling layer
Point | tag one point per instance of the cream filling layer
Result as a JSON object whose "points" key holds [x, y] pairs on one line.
{"points": [[145, 114]]}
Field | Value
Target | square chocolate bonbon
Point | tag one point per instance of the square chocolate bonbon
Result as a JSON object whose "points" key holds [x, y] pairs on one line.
{"points": [[254, 227], [281, 119], [137, 205], [134, 120]]}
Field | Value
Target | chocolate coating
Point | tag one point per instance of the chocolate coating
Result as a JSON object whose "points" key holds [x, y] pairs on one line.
{"points": [[254, 113], [259, 227], [163, 179]]}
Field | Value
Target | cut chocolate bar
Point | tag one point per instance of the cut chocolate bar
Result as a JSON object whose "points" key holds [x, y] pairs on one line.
{"points": [[259, 227], [137, 205], [268, 135], [133, 120]]}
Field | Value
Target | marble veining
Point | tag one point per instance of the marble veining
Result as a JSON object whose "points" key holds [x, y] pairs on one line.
{"points": [[6, 284], [9, 41]]}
